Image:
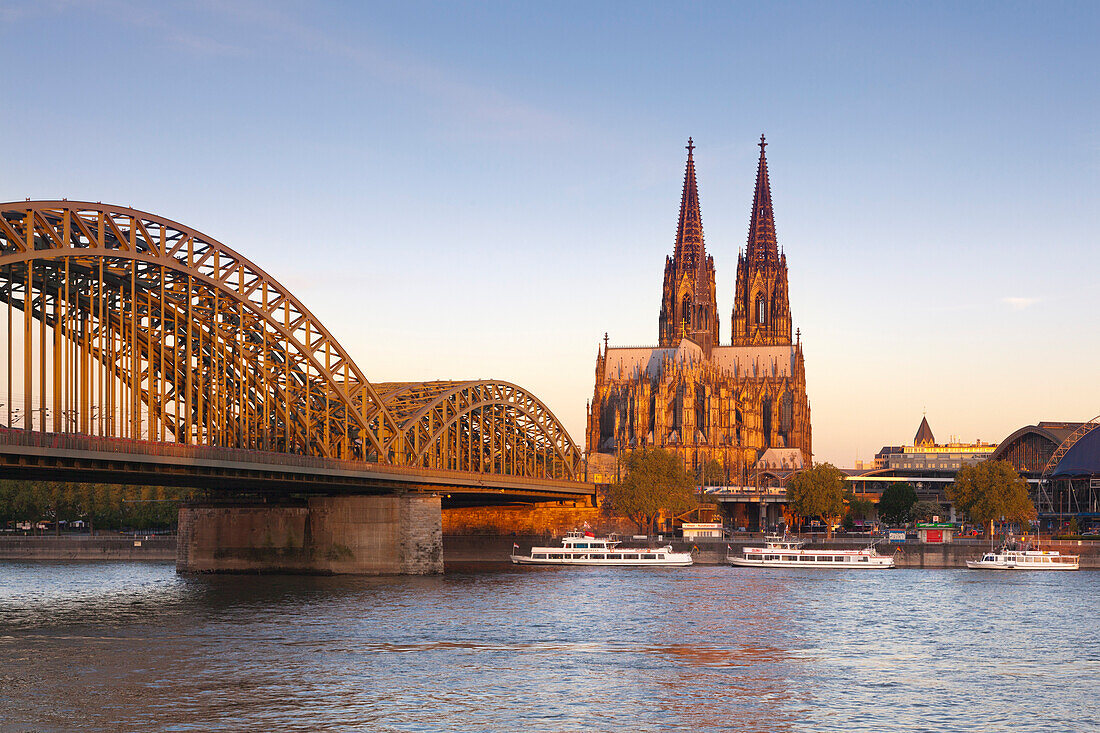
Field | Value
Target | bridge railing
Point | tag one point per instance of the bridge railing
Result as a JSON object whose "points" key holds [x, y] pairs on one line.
{"points": [[127, 446]]}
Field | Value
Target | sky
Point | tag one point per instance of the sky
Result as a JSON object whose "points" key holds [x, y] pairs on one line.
{"points": [[482, 190]]}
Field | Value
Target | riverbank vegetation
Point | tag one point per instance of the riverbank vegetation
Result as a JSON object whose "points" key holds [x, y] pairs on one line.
{"points": [[992, 490], [896, 502], [655, 482], [818, 492], [98, 506]]}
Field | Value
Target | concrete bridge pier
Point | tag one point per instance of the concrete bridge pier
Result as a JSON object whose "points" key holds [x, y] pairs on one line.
{"points": [[365, 535]]}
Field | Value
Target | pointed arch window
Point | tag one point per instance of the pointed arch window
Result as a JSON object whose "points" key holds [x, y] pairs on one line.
{"points": [[766, 414], [786, 414], [760, 309], [685, 313]]}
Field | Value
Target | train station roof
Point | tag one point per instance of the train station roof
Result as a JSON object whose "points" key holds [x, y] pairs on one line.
{"points": [[1082, 459]]}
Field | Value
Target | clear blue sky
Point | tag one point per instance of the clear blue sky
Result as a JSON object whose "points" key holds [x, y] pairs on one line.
{"points": [[483, 189]]}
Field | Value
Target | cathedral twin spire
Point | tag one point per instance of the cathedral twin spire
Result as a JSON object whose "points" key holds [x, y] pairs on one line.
{"points": [[761, 309], [761, 312], [688, 306], [762, 240], [690, 249]]}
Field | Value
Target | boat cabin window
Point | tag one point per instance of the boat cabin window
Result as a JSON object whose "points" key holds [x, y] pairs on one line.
{"points": [[838, 558], [539, 556], [864, 559], [660, 556], [649, 557], [555, 556], [806, 558], [581, 544]]}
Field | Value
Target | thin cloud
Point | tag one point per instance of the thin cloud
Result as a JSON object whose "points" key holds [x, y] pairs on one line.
{"points": [[497, 114], [1017, 303], [143, 16], [503, 115]]}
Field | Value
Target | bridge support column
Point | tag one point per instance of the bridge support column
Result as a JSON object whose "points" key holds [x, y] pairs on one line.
{"points": [[365, 535]]}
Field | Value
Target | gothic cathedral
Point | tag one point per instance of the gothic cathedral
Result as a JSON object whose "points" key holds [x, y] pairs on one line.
{"points": [[742, 405]]}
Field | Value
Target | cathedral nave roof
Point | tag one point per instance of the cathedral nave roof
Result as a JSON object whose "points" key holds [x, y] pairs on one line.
{"points": [[743, 361]]}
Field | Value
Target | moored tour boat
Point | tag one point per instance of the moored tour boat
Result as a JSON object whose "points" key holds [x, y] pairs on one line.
{"points": [[1006, 559], [584, 548], [780, 552]]}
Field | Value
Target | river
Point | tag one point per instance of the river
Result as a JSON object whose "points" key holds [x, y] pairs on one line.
{"points": [[135, 647]]}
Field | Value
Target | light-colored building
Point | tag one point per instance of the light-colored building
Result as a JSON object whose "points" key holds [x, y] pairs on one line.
{"points": [[702, 530], [929, 467], [927, 454]]}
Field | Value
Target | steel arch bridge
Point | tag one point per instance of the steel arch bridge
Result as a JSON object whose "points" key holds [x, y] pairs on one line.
{"points": [[135, 326]]}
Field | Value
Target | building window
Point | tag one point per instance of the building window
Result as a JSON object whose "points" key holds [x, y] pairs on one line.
{"points": [[786, 414], [760, 309]]}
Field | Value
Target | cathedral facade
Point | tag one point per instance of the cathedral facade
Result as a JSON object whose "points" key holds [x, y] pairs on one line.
{"points": [[744, 404]]}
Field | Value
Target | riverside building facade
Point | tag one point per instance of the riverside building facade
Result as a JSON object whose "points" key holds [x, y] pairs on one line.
{"points": [[693, 395]]}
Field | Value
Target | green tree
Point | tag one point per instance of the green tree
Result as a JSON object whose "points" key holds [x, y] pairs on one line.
{"points": [[858, 509], [1073, 528], [817, 492], [991, 490], [654, 481], [896, 503], [101, 505], [923, 511]]}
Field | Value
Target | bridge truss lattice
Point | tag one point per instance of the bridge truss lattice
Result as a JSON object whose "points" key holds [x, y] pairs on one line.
{"points": [[134, 326]]}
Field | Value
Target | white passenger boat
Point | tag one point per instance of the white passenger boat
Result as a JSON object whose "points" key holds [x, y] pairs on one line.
{"points": [[1005, 559], [781, 552], [579, 548]]}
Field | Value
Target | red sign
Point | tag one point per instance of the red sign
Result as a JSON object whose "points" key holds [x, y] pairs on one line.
{"points": [[933, 535]]}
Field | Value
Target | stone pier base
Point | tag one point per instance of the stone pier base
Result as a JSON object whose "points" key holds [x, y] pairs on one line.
{"points": [[365, 535]]}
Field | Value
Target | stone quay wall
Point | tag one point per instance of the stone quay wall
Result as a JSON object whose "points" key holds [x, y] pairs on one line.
{"points": [[83, 548], [541, 520]]}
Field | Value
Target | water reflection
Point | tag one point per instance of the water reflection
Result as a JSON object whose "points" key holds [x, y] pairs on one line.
{"points": [[128, 646]]}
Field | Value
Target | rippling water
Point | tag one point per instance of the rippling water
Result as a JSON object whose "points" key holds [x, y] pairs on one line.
{"points": [[136, 647]]}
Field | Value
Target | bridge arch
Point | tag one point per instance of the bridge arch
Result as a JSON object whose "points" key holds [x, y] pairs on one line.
{"points": [[187, 338], [480, 425], [136, 326]]}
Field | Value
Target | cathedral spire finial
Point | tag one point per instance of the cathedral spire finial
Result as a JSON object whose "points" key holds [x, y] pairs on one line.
{"points": [[690, 147], [763, 144]]}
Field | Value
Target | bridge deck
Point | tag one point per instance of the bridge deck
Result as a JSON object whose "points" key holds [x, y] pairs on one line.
{"points": [[76, 457]]}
